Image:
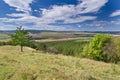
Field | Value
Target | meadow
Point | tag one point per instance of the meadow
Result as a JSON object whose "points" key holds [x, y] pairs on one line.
{"points": [[32, 65]]}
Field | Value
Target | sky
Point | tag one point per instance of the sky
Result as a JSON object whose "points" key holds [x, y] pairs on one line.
{"points": [[60, 15]]}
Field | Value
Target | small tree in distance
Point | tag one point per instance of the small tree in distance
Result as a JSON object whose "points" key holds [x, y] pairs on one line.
{"points": [[21, 37]]}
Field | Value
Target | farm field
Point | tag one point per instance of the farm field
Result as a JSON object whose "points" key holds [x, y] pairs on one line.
{"points": [[53, 36], [32, 65], [62, 39], [4, 36]]}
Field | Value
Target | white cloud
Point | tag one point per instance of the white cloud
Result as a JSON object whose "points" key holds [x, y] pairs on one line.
{"points": [[79, 19], [89, 6], [4, 26], [59, 11], [20, 5], [116, 22], [116, 13], [99, 24], [67, 13], [17, 15]]}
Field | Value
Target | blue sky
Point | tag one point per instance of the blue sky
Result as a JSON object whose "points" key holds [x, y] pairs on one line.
{"points": [[60, 15]]}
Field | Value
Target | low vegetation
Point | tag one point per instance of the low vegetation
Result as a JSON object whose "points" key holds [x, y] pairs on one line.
{"points": [[31, 65], [103, 47], [73, 48]]}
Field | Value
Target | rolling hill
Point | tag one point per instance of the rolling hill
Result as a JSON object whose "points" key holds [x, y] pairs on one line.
{"points": [[33, 65]]}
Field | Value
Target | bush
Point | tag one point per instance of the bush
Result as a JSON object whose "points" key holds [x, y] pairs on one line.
{"points": [[2, 43], [52, 50], [95, 48], [112, 50], [103, 47], [31, 44], [41, 46]]}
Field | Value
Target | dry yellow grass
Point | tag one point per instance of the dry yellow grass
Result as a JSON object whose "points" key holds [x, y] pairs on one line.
{"points": [[32, 65], [63, 39]]}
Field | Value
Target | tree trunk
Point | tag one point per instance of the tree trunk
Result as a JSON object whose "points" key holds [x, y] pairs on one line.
{"points": [[21, 48]]}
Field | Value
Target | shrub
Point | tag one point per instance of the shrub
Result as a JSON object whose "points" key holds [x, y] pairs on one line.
{"points": [[31, 44], [112, 50], [52, 50], [41, 46], [103, 47], [95, 47], [2, 43]]}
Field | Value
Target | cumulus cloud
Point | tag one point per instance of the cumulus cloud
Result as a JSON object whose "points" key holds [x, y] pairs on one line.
{"points": [[20, 5], [67, 13], [89, 6], [116, 13], [85, 6], [79, 19], [58, 11]]}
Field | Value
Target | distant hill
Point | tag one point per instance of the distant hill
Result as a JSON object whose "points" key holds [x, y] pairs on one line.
{"points": [[32, 65], [39, 31], [31, 31], [104, 32], [46, 34]]}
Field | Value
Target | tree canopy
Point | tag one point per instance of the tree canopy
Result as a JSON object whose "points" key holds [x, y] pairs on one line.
{"points": [[21, 37]]}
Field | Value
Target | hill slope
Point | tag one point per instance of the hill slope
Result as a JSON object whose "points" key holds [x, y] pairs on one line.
{"points": [[33, 66]]}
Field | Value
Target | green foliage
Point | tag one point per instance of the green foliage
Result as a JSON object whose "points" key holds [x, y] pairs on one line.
{"points": [[73, 48], [112, 50], [117, 44], [95, 48], [21, 37], [2, 43], [41, 46], [52, 50]]}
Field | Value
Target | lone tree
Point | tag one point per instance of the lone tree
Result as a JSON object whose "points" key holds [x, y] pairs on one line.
{"points": [[21, 37]]}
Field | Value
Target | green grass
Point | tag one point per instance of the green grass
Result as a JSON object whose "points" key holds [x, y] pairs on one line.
{"points": [[32, 65], [4, 36]]}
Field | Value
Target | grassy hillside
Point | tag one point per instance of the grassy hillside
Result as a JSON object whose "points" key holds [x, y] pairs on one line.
{"points": [[32, 65]]}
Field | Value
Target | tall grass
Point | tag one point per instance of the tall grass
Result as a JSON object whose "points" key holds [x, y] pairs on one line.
{"points": [[31, 65]]}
